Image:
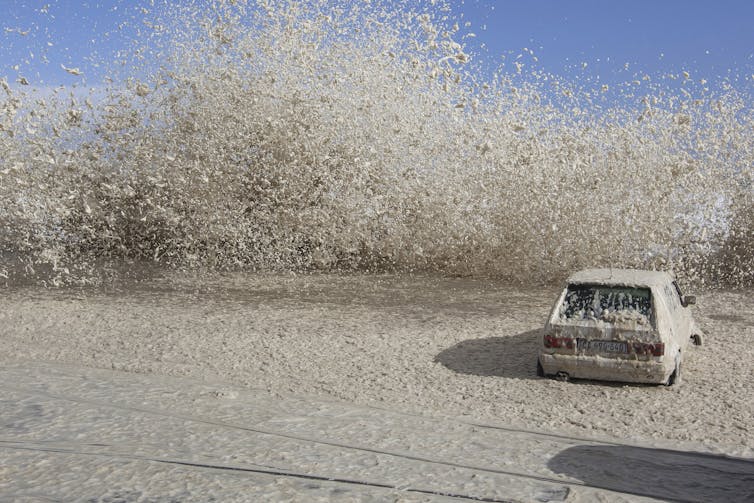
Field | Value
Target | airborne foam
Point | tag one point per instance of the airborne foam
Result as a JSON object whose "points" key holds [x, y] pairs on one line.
{"points": [[341, 136]]}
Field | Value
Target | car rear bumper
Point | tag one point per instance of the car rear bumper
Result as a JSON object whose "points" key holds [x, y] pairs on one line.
{"points": [[607, 369]]}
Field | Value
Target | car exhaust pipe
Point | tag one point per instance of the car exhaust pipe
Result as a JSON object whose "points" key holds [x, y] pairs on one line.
{"points": [[562, 376]]}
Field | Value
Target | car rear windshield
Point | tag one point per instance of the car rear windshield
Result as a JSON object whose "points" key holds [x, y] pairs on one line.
{"points": [[612, 304]]}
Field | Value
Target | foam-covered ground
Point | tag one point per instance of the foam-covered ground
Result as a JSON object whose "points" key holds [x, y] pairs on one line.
{"points": [[72, 433], [445, 346]]}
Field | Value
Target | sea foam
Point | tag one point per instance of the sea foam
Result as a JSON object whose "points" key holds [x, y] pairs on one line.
{"points": [[346, 136]]}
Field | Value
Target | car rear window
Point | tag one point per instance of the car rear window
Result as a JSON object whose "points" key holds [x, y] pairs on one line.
{"points": [[612, 304]]}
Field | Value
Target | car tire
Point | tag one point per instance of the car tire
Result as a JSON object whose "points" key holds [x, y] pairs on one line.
{"points": [[540, 370], [675, 377], [696, 339]]}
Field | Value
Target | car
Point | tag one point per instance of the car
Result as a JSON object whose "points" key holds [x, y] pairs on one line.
{"points": [[625, 325]]}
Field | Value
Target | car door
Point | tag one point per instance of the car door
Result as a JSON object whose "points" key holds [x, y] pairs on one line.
{"points": [[683, 312], [675, 320]]}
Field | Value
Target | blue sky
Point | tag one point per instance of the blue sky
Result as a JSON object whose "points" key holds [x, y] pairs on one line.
{"points": [[706, 38], [581, 38]]}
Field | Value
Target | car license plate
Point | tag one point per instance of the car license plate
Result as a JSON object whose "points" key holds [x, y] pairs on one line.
{"points": [[602, 346]]}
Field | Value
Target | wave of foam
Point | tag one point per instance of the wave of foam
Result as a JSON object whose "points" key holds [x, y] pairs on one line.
{"points": [[340, 136]]}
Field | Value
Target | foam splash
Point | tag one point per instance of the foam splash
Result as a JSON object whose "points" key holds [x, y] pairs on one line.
{"points": [[340, 136]]}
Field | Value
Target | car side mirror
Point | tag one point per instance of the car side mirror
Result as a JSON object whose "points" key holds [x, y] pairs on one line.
{"points": [[688, 300]]}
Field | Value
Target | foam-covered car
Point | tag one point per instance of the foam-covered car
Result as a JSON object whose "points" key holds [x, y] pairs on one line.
{"points": [[619, 325]]}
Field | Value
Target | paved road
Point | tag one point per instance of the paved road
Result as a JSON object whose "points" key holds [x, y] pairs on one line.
{"points": [[73, 433]]}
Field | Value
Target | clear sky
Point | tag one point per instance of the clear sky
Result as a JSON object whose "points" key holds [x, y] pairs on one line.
{"points": [[706, 38], [592, 38]]}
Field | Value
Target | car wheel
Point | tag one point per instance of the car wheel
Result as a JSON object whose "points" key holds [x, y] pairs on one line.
{"points": [[540, 370], [697, 339], [675, 377]]}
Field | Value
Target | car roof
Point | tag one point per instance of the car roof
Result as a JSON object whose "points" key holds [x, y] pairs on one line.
{"points": [[623, 277]]}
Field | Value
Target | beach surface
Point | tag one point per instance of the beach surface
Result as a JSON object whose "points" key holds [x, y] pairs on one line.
{"points": [[358, 387]]}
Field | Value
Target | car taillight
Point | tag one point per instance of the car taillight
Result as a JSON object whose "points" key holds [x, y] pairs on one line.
{"points": [[551, 341], [647, 348]]}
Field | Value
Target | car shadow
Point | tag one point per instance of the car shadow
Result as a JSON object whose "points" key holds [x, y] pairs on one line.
{"points": [[513, 356], [658, 473]]}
